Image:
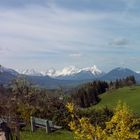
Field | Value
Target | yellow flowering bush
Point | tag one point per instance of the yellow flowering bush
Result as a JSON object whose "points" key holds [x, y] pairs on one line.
{"points": [[121, 124], [120, 127], [70, 107]]}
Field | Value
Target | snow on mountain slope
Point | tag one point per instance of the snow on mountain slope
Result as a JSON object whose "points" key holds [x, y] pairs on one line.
{"points": [[49, 72], [94, 70], [67, 71], [30, 72], [72, 70], [8, 70]]}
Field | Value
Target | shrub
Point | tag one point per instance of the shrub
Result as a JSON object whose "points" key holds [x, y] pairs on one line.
{"points": [[120, 127]]}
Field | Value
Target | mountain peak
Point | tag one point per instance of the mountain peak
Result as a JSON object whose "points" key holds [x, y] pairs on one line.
{"points": [[68, 71], [72, 70], [123, 69], [119, 73], [94, 70]]}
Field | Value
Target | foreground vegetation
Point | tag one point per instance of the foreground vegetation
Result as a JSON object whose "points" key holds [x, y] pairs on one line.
{"points": [[129, 95], [41, 135], [123, 125], [21, 100]]}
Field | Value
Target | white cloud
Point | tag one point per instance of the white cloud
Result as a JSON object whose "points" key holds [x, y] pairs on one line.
{"points": [[75, 55], [38, 28]]}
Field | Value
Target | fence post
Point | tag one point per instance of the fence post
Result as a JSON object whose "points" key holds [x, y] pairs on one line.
{"points": [[17, 131], [47, 127], [32, 124]]}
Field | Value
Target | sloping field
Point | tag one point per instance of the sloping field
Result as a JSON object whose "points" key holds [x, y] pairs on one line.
{"points": [[129, 95]]}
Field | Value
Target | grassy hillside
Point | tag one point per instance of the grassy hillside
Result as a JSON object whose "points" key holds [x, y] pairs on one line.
{"points": [[129, 95], [41, 135]]}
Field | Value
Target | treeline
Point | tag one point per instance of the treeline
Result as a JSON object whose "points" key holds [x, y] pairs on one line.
{"points": [[87, 94], [119, 83]]}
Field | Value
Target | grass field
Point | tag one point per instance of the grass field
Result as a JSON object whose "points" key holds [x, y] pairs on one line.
{"points": [[129, 95], [41, 135]]}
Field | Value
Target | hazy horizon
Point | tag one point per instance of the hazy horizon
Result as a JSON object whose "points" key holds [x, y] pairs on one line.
{"points": [[44, 34], [65, 69]]}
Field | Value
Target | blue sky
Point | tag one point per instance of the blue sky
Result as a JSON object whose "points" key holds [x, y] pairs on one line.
{"points": [[42, 34]]}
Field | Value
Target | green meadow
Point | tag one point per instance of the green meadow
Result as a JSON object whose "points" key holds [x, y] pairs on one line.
{"points": [[41, 135], [129, 95]]}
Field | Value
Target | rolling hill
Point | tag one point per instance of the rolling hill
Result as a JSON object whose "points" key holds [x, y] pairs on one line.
{"points": [[129, 95]]}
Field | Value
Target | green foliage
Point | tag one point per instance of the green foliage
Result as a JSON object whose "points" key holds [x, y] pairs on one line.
{"points": [[62, 117], [25, 100], [96, 116], [119, 83], [87, 94]]}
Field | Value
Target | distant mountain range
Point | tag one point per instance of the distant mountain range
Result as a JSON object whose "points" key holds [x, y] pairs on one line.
{"points": [[69, 76], [66, 73]]}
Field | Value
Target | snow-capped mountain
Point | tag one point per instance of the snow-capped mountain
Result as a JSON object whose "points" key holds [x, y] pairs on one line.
{"points": [[8, 70], [72, 70], [68, 76], [73, 73], [65, 72], [94, 70], [50, 72], [30, 72]]}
